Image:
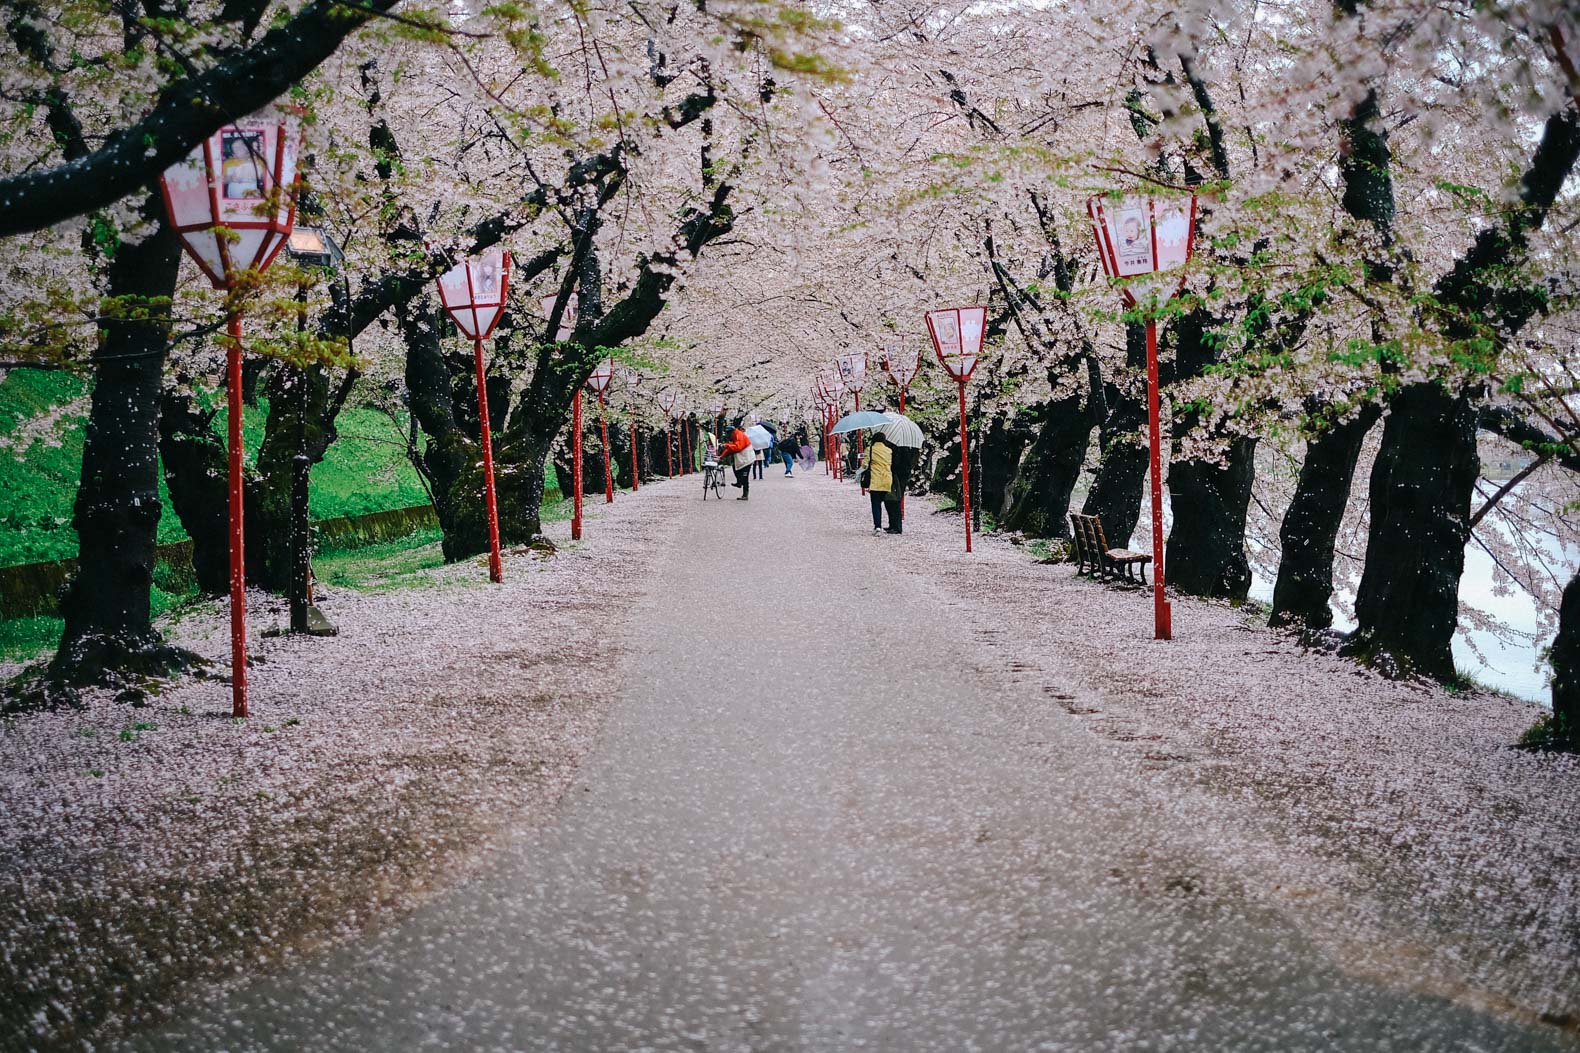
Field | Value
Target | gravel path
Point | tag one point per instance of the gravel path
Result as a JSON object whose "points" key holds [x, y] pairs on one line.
{"points": [[808, 825]]}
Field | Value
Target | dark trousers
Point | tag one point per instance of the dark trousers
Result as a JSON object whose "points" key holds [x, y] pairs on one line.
{"points": [[892, 500], [877, 509], [743, 479]]}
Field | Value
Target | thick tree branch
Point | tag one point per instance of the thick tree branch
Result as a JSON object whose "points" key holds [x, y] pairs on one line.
{"points": [[186, 112]]}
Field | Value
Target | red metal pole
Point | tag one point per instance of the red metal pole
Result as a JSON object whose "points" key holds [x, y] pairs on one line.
{"points": [[828, 457], [576, 466], [1162, 616], [496, 570], [238, 563], [965, 467], [669, 447], [608, 472]]}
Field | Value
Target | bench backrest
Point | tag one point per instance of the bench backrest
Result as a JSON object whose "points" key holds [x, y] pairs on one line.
{"points": [[1089, 536]]}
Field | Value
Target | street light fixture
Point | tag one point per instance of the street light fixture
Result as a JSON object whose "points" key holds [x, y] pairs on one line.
{"points": [[957, 340], [232, 201], [1144, 248], [473, 292]]}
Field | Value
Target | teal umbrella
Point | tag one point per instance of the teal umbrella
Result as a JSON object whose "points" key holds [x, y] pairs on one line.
{"points": [[858, 422]]}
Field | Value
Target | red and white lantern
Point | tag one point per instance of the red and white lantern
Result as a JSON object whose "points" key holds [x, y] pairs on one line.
{"points": [[473, 293], [1145, 245], [957, 340], [232, 201]]}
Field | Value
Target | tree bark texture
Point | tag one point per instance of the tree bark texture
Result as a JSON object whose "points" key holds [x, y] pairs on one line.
{"points": [[1304, 591], [1408, 603], [1566, 668], [1040, 501], [1206, 543], [1115, 494], [108, 626]]}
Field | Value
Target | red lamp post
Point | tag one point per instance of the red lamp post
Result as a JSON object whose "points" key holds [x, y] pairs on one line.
{"points": [[1145, 248], [473, 293], [602, 376], [666, 402], [232, 201], [562, 333], [957, 340]]}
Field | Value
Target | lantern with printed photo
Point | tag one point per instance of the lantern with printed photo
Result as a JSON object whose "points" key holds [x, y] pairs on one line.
{"points": [[1145, 245], [473, 294], [957, 340], [901, 367]]}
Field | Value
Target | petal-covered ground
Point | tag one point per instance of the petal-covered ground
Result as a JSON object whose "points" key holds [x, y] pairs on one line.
{"points": [[853, 792]]}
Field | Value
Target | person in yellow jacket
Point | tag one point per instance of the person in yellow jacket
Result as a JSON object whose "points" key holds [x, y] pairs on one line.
{"points": [[877, 470]]}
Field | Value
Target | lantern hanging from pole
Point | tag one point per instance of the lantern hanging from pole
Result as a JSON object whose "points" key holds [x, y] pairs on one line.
{"points": [[1144, 246], [232, 201], [957, 340], [473, 293], [567, 324]]}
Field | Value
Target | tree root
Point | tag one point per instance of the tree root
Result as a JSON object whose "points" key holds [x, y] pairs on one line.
{"points": [[133, 667]]}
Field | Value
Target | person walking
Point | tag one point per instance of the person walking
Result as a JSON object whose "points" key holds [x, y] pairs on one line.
{"points": [[739, 449], [877, 476], [902, 462], [789, 449]]}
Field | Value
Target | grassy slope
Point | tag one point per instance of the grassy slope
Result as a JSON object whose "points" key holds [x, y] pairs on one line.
{"points": [[366, 471]]}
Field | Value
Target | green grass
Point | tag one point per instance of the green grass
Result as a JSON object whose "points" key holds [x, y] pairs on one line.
{"points": [[400, 563], [365, 471]]}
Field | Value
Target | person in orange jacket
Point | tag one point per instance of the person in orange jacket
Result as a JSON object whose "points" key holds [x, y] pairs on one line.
{"points": [[738, 447]]}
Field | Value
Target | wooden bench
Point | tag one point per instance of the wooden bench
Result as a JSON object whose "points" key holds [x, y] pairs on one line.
{"points": [[1093, 556]]}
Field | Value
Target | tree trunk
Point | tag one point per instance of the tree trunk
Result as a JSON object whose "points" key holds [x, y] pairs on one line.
{"points": [[1304, 590], [1408, 603], [1566, 668], [1041, 497], [1206, 543], [109, 631], [1003, 444], [196, 470], [1115, 495]]}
